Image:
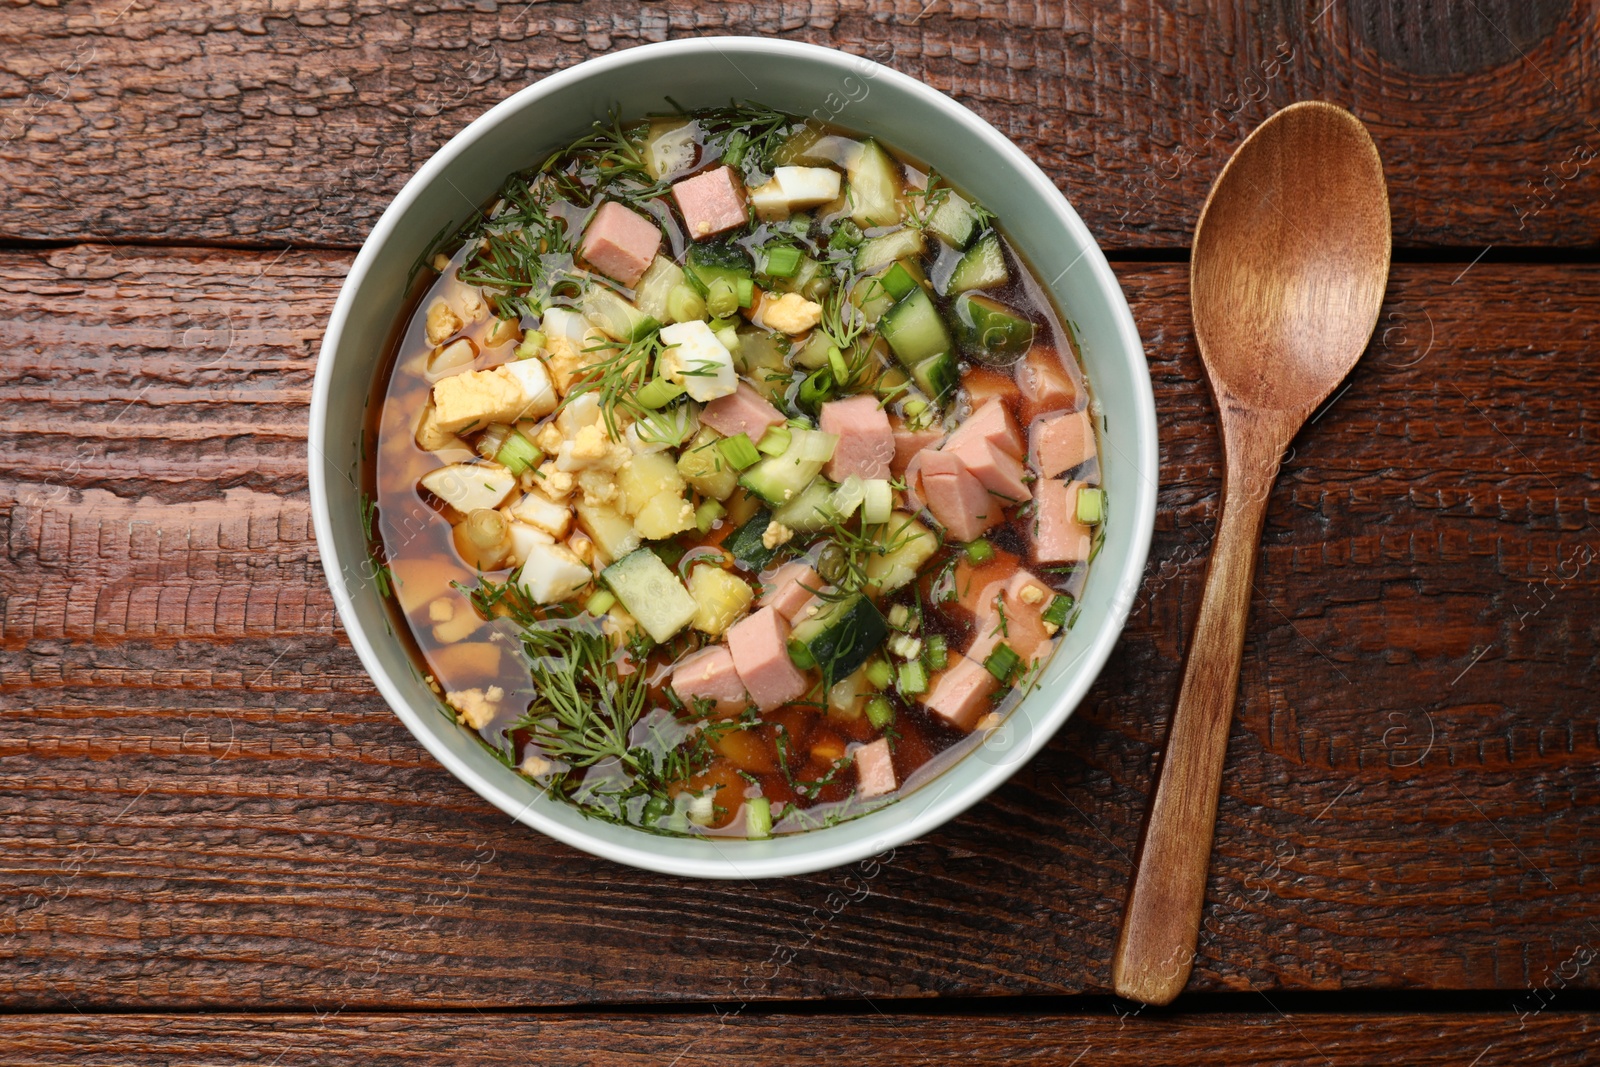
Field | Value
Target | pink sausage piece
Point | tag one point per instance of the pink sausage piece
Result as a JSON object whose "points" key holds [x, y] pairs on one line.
{"points": [[620, 243], [993, 423], [957, 499], [709, 675], [711, 202], [760, 647], [791, 588], [866, 443], [1061, 442], [874, 769], [1000, 473], [1057, 535], [960, 695], [744, 411], [907, 443]]}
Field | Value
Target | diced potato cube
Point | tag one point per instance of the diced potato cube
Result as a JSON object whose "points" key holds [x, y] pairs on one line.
{"points": [[646, 477], [665, 514], [720, 598], [612, 532], [703, 466]]}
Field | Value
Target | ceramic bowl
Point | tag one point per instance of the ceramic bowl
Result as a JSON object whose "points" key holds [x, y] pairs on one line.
{"points": [[835, 87]]}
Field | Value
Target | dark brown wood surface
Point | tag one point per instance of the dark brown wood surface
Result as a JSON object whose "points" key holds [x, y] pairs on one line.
{"points": [[204, 805], [1229, 1039], [263, 124]]}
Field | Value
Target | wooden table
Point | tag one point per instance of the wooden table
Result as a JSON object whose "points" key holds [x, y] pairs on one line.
{"points": [[221, 847]]}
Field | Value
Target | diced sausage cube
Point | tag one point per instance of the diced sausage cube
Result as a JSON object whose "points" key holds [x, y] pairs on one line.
{"points": [[710, 675], [1057, 535], [620, 243], [866, 443], [874, 769], [993, 422], [960, 694], [1045, 382], [760, 647], [907, 443], [711, 202], [742, 411], [957, 499], [1023, 599], [791, 588], [1062, 442], [1000, 474]]}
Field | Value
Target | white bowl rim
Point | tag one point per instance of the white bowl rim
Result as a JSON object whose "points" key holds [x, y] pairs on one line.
{"points": [[1049, 718]]}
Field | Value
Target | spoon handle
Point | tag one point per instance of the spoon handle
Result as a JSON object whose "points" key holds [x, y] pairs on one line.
{"points": [[1161, 923]]}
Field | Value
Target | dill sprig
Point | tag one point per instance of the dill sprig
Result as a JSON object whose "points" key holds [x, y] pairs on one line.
{"points": [[859, 546], [747, 134], [610, 159], [617, 378], [521, 248]]}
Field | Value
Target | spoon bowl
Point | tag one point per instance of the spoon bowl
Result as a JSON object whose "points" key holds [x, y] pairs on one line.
{"points": [[1291, 258], [1290, 261]]}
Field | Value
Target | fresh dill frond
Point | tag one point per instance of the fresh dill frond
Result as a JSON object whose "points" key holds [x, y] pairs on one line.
{"points": [[520, 248], [617, 378], [747, 135]]}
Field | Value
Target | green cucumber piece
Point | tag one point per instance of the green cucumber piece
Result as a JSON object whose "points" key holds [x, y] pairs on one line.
{"points": [[613, 316], [899, 279], [954, 221], [983, 267], [807, 512], [914, 330], [990, 331], [711, 260], [874, 193], [900, 244], [840, 637], [651, 593], [780, 479], [937, 376], [745, 546]]}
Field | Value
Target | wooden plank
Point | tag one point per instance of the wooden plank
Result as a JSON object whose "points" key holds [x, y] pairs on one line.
{"points": [[1231, 1039], [205, 803], [261, 125]]}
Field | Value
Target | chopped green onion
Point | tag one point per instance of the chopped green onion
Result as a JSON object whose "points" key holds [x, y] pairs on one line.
{"points": [[775, 442], [1002, 663], [878, 503], [658, 393], [801, 655], [900, 617], [913, 678], [729, 338], [938, 652], [758, 817], [721, 299], [739, 451], [1056, 613], [707, 513], [684, 304], [1091, 506], [836, 363], [846, 235], [518, 454], [915, 406], [782, 261], [979, 551], [817, 388], [533, 343], [746, 291], [880, 712], [600, 602], [879, 673], [898, 281]]}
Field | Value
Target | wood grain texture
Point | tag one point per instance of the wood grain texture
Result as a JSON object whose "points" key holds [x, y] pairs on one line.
{"points": [[264, 124], [205, 804], [1283, 308], [690, 1040]]}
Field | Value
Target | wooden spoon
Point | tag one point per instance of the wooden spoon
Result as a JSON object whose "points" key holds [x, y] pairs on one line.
{"points": [[1291, 257]]}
